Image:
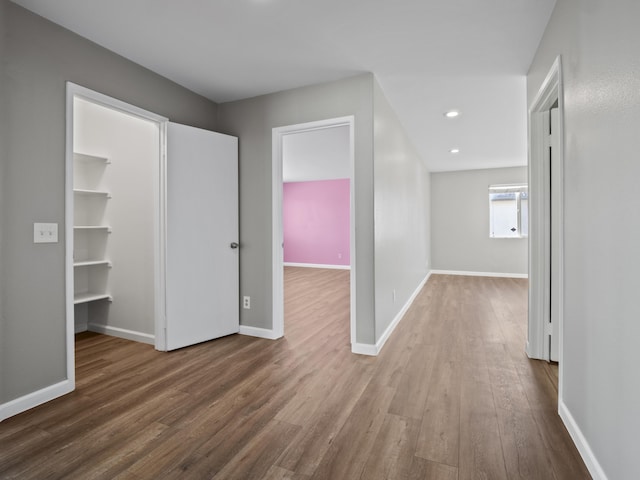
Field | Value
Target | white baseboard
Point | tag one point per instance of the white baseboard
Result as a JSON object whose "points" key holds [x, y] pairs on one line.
{"points": [[122, 333], [364, 349], [590, 460], [258, 332], [317, 265], [373, 350], [480, 274], [392, 326], [34, 399]]}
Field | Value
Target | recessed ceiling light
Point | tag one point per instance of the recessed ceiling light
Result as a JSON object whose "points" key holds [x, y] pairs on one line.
{"points": [[454, 150], [452, 114]]}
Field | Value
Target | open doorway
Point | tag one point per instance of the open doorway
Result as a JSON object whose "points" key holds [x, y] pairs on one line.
{"points": [[313, 226]]}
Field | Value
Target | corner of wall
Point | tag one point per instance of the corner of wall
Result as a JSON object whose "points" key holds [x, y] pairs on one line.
{"points": [[401, 242], [3, 151]]}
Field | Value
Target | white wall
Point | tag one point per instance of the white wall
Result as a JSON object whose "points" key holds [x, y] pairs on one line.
{"points": [[323, 154], [401, 205], [460, 223], [600, 47], [132, 146]]}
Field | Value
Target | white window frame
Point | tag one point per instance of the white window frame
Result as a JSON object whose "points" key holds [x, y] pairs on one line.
{"points": [[519, 189]]}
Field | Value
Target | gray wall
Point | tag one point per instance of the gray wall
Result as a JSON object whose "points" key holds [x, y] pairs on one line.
{"points": [[3, 145], [460, 223], [600, 46], [402, 214], [40, 58], [252, 121]]}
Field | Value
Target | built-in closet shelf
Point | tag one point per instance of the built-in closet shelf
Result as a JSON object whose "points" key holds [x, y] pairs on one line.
{"points": [[87, 297], [95, 193], [92, 227], [90, 263], [83, 157]]}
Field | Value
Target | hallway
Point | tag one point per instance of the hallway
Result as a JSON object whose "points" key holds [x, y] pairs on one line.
{"points": [[451, 396]]}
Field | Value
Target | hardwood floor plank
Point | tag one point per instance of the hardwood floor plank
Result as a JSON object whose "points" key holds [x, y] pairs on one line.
{"points": [[203, 442], [480, 441], [347, 455], [307, 450], [255, 459], [392, 454], [439, 438], [508, 392], [411, 394], [422, 469], [279, 473], [451, 396], [112, 461], [16, 441], [524, 454], [313, 393], [565, 459]]}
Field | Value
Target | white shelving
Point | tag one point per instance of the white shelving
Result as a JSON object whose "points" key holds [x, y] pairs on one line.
{"points": [[92, 263], [84, 157], [90, 232], [97, 193], [93, 227], [86, 297]]}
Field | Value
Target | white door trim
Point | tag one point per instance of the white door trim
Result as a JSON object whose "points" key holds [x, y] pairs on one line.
{"points": [[539, 244], [277, 234], [73, 91]]}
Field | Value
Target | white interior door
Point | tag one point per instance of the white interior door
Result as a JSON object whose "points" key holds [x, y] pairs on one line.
{"points": [[556, 225], [202, 287], [552, 191]]}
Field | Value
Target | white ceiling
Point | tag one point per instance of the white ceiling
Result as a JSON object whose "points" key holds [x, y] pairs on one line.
{"points": [[429, 56]]}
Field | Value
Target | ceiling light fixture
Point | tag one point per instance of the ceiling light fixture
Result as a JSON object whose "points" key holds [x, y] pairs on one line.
{"points": [[452, 114], [454, 150]]}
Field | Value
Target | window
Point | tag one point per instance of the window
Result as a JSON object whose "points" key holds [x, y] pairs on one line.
{"points": [[508, 211]]}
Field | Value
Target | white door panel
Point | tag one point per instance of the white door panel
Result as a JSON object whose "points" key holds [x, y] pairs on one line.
{"points": [[202, 288], [556, 225]]}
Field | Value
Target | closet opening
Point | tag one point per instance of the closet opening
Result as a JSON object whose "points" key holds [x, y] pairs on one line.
{"points": [[113, 229], [142, 261], [114, 153]]}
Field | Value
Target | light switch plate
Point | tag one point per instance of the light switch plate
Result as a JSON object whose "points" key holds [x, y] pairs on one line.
{"points": [[45, 233]]}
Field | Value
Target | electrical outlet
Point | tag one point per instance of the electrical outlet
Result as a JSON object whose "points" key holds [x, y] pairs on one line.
{"points": [[246, 302]]}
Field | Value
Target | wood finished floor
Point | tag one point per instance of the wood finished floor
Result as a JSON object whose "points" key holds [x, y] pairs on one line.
{"points": [[451, 396]]}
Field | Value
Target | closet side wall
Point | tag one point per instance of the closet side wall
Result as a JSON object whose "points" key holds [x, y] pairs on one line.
{"points": [[132, 146]]}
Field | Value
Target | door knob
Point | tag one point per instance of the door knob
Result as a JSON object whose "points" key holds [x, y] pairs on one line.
{"points": [[234, 245]]}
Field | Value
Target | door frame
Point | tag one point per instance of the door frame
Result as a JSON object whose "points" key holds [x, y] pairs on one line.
{"points": [[159, 173], [277, 227], [540, 245]]}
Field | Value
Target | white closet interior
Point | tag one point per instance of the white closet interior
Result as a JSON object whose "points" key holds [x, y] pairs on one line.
{"points": [[113, 246]]}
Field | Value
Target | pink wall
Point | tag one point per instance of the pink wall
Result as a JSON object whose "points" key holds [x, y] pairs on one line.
{"points": [[316, 222]]}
